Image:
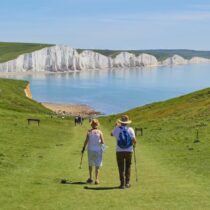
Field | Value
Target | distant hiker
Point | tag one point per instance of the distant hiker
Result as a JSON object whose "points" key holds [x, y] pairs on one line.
{"points": [[78, 120], [75, 120], [126, 139], [81, 120], [95, 141], [90, 119]]}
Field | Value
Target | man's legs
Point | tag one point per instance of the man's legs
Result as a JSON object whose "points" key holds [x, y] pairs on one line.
{"points": [[121, 167], [128, 158]]}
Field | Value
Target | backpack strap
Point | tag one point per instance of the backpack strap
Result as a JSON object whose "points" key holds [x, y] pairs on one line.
{"points": [[123, 128]]}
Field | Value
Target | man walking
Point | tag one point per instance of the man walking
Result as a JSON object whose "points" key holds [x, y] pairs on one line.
{"points": [[126, 140]]}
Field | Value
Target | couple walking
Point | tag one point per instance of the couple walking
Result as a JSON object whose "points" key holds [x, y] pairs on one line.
{"points": [[125, 141]]}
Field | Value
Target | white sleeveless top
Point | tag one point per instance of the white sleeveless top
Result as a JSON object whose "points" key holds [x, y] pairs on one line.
{"points": [[94, 140]]}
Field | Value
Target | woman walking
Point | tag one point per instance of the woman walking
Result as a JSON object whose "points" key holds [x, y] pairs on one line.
{"points": [[94, 141]]}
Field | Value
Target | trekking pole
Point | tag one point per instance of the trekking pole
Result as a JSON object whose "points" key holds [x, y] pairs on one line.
{"points": [[134, 151], [80, 165]]}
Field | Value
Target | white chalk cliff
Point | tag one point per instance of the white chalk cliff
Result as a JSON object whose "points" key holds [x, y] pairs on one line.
{"points": [[64, 58]]}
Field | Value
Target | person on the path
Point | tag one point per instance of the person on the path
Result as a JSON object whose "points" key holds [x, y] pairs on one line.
{"points": [[126, 140], [75, 120], [80, 120], [94, 140]]}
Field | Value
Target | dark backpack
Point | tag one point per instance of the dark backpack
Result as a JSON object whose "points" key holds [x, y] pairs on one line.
{"points": [[124, 140]]}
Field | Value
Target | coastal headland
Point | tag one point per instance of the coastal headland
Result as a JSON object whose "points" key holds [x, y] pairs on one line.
{"points": [[63, 58]]}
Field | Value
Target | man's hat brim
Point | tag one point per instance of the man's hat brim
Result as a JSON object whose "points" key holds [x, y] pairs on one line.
{"points": [[125, 122]]}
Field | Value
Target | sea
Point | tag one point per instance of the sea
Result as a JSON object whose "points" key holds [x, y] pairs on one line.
{"points": [[113, 91]]}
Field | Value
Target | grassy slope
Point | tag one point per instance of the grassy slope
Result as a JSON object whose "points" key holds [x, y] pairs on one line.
{"points": [[10, 51], [12, 97], [173, 171]]}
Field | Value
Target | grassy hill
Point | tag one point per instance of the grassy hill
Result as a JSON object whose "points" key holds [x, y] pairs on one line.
{"points": [[10, 51], [171, 127], [173, 171], [12, 97]]}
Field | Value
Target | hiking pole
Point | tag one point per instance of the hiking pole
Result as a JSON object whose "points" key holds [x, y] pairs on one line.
{"points": [[82, 152], [134, 151], [80, 165]]}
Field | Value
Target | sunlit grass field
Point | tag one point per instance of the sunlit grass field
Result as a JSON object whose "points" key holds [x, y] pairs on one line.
{"points": [[10, 51], [173, 170]]}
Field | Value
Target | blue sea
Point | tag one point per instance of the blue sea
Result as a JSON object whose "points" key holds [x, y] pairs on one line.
{"points": [[114, 91]]}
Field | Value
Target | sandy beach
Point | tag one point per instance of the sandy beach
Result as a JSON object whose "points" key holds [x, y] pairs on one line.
{"points": [[71, 109]]}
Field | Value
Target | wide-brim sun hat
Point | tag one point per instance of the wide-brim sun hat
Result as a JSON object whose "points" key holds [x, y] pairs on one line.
{"points": [[94, 123], [124, 120]]}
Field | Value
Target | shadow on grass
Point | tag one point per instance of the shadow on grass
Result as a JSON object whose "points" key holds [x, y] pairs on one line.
{"points": [[63, 181], [101, 188]]}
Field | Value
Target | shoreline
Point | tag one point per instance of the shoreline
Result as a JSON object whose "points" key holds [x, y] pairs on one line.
{"points": [[72, 71], [72, 109], [82, 71], [38, 73]]}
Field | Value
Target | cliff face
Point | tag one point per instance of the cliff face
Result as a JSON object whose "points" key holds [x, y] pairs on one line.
{"points": [[196, 60], [126, 59], [64, 58], [27, 91], [175, 60]]}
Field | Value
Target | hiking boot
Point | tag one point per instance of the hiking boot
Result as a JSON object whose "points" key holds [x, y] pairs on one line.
{"points": [[128, 185], [97, 182], [89, 181]]}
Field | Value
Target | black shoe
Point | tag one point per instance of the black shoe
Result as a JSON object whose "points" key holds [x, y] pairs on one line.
{"points": [[122, 187], [89, 181]]}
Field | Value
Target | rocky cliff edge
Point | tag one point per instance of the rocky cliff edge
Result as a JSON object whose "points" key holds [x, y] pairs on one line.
{"points": [[62, 58]]}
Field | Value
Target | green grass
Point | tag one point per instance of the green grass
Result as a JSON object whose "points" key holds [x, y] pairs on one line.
{"points": [[10, 51], [12, 97], [174, 172]]}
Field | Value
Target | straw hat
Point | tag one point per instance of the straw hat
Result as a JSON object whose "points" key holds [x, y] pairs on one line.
{"points": [[94, 123], [124, 120]]}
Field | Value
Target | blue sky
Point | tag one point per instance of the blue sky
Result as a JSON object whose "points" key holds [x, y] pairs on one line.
{"points": [[108, 24]]}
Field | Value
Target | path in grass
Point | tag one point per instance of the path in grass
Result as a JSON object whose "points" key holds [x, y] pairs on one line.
{"points": [[52, 152]]}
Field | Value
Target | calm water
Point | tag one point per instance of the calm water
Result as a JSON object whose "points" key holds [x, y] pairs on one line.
{"points": [[114, 91]]}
